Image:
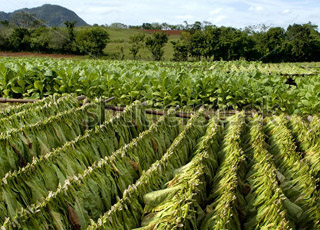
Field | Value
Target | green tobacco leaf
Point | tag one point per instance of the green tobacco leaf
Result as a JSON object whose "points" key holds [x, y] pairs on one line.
{"points": [[57, 221], [38, 85], [294, 210], [17, 89], [155, 198]]}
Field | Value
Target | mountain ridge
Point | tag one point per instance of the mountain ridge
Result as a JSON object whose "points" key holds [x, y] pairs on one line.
{"points": [[52, 15]]}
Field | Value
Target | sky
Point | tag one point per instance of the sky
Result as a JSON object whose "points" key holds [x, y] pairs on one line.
{"points": [[235, 13]]}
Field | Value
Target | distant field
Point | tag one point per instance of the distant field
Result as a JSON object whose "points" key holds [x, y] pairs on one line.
{"points": [[120, 37]]}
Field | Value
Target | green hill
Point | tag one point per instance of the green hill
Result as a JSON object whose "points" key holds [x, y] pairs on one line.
{"points": [[53, 15]]}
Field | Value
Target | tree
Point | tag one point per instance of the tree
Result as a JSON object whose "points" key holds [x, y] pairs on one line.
{"points": [[118, 25], [156, 26], [206, 24], [271, 44], [147, 26], [304, 42], [225, 43], [211, 47], [165, 26], [69, 45], [3, 41], [19, 40], [197, 26], [180, 51], [58, 37], [186, 25], [197, 44], [155, 43], [136, 42], [39, 40], [92, 41], [4, 23], [4, 29], [121, 52], [232, 44]]}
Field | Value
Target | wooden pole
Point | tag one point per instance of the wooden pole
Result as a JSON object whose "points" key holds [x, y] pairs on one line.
{"points": [[109, 99], [115, 108], [12, 100]]}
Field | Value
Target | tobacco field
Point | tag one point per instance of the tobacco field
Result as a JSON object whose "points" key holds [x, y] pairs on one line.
{"points": [[292, 88], [66, 164]]}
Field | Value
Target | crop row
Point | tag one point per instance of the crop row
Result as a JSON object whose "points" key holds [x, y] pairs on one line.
{"points": [[244, 173], [36, 113], [46, 172], [127, 212], [122, 173], [226, 85], [11, 110], [105, 179], [20, 146]]}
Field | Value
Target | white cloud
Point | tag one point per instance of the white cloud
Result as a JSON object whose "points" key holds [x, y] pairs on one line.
{"points": [[217, 19], [236, 13], [97, 10], [286, 11], [185, 17], [216, 11], [255, 8]]}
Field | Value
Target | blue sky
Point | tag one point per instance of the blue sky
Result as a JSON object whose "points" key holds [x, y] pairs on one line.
{"points": [[236, 13]]}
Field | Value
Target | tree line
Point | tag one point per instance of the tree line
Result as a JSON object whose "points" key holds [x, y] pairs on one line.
{"points": [[297, 43], [31, 35], [160, 26], [198, 41]]}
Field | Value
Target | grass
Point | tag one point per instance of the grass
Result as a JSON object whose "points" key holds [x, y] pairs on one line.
{"points": [[120, 38]]}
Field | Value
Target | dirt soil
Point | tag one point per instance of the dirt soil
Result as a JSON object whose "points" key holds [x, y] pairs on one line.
{"points": [[30, 54], [168, 32]]}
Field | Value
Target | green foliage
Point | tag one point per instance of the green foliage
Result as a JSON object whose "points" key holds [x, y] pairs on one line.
{"points": [[219, 43], [180, 51], [75, 169], [160, 171], [92, 41], [39, 40], [67, 40], [197, 45], [3, 40], [136, 42], [69, 45], [58, 37], [296, 44], [94, 145], [4, 23], [19, 39], [155, 43], [126, 164], [198, 41], [216, 85]]}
